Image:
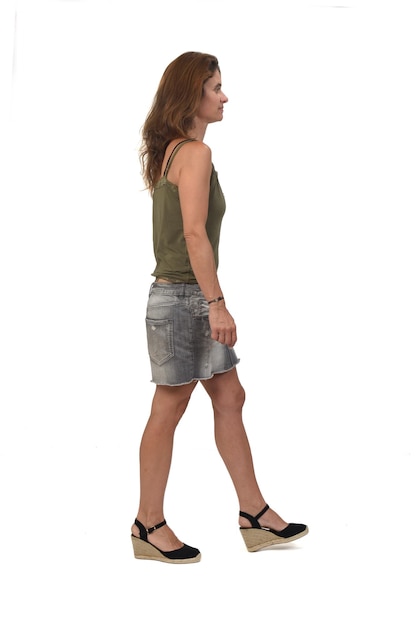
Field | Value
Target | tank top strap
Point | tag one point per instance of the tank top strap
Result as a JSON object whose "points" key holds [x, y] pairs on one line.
{"points": [[173, 153]]}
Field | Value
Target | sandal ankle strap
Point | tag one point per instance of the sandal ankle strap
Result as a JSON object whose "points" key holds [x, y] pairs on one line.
{"points": [[150, 530], [144, 532], [254, 519]]}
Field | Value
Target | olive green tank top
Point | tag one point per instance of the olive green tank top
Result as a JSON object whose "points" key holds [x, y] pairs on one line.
{"points": [[172, 260]]}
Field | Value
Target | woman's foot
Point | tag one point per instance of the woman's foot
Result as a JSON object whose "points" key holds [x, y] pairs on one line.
{"points": [[144, 549], [267, 528]]}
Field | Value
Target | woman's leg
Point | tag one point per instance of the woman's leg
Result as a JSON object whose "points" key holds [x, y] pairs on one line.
{"points": [[168, 406], [228, 397]]}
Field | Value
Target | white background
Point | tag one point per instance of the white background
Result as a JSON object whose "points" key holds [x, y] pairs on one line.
{"points": [[317, 159]]}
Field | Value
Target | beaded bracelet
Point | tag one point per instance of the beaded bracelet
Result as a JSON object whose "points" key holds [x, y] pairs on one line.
{"points": [[215, 300]]}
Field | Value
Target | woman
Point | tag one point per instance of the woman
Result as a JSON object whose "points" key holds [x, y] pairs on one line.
{"points": [[190, 331]]}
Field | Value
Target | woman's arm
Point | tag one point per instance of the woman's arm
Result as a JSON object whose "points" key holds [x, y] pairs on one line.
{"points": [[193, 188]]}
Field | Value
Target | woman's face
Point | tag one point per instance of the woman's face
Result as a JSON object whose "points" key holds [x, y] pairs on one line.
{"points": [[213, 100]]}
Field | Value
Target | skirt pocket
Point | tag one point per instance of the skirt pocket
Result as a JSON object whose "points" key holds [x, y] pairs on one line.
{"points": [[160, 340]]}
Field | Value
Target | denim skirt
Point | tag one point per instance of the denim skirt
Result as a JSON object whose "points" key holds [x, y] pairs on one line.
{"points": [[180, 347]]}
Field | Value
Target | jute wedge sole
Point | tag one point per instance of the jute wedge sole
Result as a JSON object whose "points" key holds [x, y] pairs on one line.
{"points": [[145, 550], [256, 538]]}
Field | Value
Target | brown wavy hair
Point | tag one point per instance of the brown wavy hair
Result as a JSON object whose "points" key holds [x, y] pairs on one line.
{"points": [[174, 107]]}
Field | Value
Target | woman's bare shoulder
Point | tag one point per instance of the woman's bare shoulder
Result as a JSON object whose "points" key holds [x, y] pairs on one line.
{"points": [[198, 149], [192, 158]]}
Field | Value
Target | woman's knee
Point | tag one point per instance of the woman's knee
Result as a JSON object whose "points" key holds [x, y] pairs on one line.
{"points": [[227, 394], [235, 396], [238, 396]]}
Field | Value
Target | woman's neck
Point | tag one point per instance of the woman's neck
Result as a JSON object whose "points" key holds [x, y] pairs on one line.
{"points": [[199, 130]]}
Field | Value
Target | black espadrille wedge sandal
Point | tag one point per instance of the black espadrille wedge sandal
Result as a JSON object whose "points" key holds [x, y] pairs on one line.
{"points": [[143, 549], [259, 537]]}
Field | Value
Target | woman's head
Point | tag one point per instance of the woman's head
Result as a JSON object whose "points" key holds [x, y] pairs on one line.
{"points": [[181, 88], [174, 108]]}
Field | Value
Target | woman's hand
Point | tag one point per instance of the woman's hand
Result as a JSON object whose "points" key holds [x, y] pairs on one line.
{"points": [[222, 324]]}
